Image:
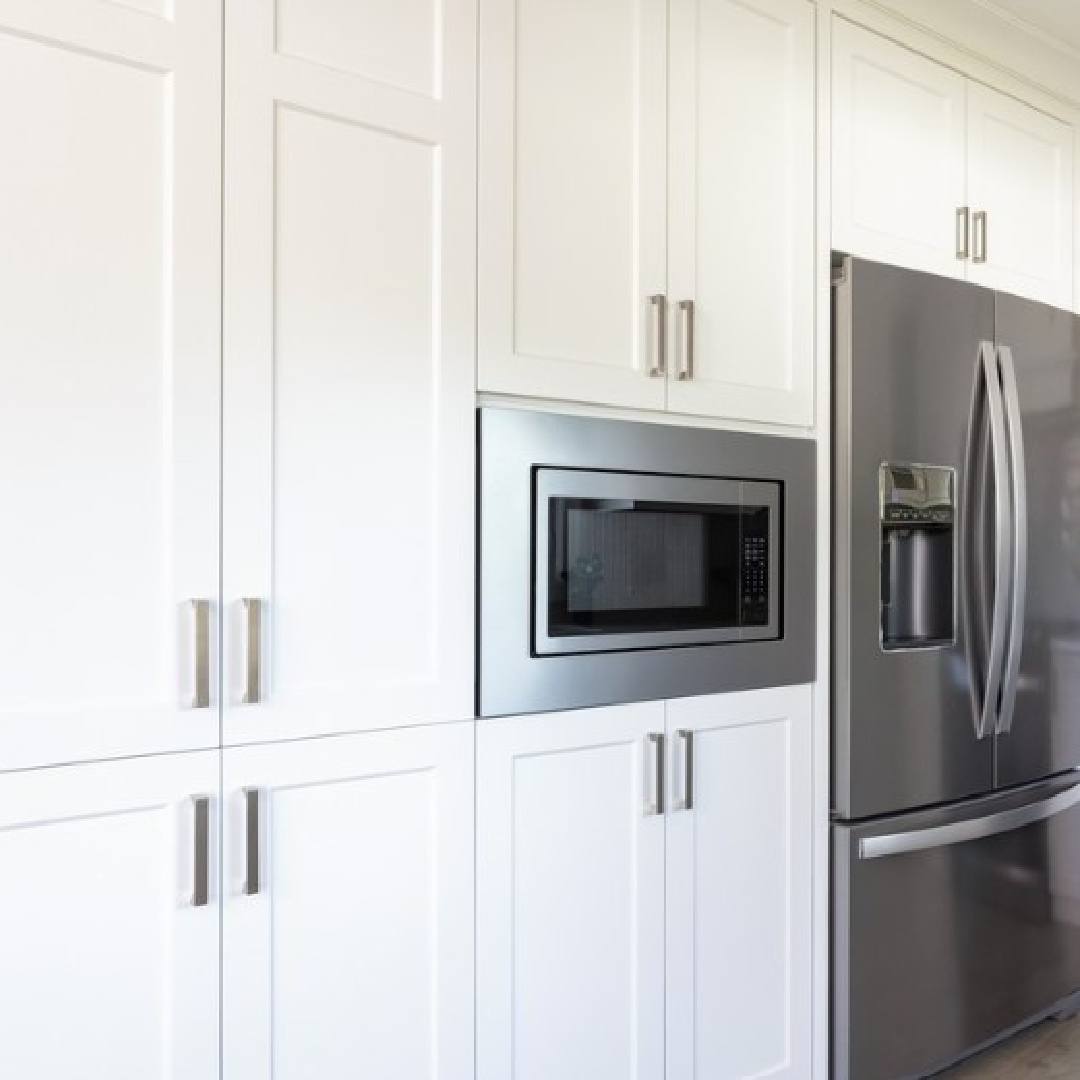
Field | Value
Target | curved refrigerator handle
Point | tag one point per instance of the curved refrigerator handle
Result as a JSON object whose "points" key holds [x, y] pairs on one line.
{"points": [[1011, 676], [969, 585]]}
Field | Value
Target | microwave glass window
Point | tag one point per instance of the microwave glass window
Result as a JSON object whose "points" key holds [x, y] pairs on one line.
{"points": [[623, 566]]}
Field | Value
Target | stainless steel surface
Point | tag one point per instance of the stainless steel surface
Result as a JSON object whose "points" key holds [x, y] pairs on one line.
{"points": [[252, 664], [511, 678], [200, 892], [686, 801], [1018, 589], [936, 836], [979, 227], [654, 803], [942, 948], [963, 220], [252, 840], [658, 304], [686, 339], [586, 483], [199, 617]]}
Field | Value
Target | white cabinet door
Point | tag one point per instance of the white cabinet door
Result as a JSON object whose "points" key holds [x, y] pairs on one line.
{"points": [[570, 897], [348, 919], [349, 362], [1020, 175], [741, 209], [897, 153], [738, 887], [108, 968], [109, 372], [572, 198]]}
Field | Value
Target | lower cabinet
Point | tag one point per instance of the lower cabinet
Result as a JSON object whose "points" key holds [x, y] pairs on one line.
{"points": [[644, 891]]}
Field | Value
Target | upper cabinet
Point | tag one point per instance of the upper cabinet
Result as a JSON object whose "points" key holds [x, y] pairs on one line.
{"points": [[646, 204], [934, 171]]}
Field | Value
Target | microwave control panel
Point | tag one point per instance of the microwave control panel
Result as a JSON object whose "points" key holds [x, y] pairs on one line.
{"points": [[754, 572]]}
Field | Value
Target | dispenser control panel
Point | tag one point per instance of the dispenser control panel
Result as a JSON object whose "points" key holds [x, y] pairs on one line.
{"points": [[916, 495]]}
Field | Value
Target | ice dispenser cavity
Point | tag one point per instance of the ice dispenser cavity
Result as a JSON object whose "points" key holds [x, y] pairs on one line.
{"points": [[918, 564]]}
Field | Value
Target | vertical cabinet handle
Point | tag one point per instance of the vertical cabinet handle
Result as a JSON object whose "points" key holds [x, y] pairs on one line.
{"points": [[655, 805], [252, 840], [658, 303], [198, 614], [978, 221], [687, 740], [963, 232], [686, 368], [200, 892], [252, 607]]}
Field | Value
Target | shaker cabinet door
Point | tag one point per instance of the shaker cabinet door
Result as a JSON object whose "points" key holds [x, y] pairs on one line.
{"points": [[741, 209], [739, 886], [1020, 176], [349, 356], [572, 199], [110, 190]]}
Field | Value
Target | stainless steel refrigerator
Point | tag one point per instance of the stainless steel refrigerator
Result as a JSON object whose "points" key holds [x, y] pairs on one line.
{"points": [[956, 668]]}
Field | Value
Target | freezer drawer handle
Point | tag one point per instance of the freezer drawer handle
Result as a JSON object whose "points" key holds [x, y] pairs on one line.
{"points": [[877, 847]]}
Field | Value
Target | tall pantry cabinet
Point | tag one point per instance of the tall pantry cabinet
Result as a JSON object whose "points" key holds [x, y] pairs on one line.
{"points": [[236, 399]]}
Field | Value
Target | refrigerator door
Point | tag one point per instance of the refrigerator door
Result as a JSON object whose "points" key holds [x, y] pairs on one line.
{"points": [[1044, 735], [951, 927], [907, 349]]}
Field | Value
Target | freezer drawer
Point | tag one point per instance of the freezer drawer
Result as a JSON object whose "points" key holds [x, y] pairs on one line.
{"points": [[951, 926]]}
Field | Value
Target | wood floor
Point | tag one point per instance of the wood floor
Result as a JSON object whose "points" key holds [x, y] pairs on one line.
{"points": [[1049, 1051]]}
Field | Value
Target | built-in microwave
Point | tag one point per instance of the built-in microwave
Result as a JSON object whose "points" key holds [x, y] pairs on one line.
{"points": [[628, 561]]}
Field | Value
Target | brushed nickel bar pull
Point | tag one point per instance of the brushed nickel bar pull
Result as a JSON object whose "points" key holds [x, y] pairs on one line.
{"points": [[687, 739], [979, 226], [656, 806], [200, 893], [199, 614], [686, 370], [659, 310], [963, 232], [252, 840], [252, 692]]}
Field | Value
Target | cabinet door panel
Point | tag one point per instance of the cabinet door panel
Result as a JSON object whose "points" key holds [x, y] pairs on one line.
{"points": [[355, 958], [349, 430], [572, 198], [738, 888], [109, 338], [741, 207], [892, 108], [1020, 173], [570, 879], [108, 969]]}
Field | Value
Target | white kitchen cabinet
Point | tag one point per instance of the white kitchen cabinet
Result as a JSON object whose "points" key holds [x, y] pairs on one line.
{"points": [[935, 171], [349, 305], [110, 196], [570, 896], [348, 906], [739, 886], [109, 960], [741, 209], [612, 213]]}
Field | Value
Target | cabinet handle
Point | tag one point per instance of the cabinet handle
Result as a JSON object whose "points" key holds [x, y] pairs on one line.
{"points": [[686, 370], [656, 805], [658, 303], [252, 664], [978, 222], [963, 232], [200, 892], [252, 840], [198, 613], [687, 739]]}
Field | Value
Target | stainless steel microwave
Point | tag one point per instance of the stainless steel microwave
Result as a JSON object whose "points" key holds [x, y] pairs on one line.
{"points": [[626, 561]]}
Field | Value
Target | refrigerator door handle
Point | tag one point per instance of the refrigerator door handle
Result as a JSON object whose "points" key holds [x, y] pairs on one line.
{"points": [[960, 832], [1011, 677]]}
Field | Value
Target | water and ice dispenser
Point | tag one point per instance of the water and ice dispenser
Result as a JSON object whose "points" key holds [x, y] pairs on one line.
{"points": [[918, 562]]}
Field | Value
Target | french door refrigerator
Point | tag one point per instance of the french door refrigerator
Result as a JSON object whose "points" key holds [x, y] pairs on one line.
{"points": [[956, 668]]}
